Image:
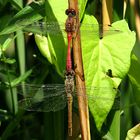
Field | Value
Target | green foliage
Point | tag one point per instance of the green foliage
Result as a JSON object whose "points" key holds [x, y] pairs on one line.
{"points": [[108, 53], [3, 48], [20, 78], [135, 78], [134, 133], [26, 16], [112, 52], [45, 49]]}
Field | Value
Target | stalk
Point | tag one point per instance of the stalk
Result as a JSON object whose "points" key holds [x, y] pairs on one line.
{"points": [[80, 83], [137, 16], [124, 8], [21, 51], [107, 11]]}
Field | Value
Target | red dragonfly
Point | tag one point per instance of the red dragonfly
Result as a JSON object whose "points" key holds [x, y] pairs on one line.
{"points": [[55, 93]]}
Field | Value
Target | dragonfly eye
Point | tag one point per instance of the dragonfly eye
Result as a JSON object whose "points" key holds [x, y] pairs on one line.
{"points": [[73, 12], [70, 12]]}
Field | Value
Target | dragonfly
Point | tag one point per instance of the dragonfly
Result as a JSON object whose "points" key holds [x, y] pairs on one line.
{"points": [[71, 29]]}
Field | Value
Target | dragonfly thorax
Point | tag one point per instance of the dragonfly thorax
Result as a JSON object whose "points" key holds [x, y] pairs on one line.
{"points": [[70, 26], [69, 82]]}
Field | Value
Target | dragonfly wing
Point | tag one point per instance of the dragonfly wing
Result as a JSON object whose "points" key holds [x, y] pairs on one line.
{"points": [[54, 103], [43, 28], [31, 90], [95, 99], [57, 29], [101, 99], [100, 31], [43, 98]]}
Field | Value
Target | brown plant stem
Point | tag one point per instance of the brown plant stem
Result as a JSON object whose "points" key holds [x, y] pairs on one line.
{"points": [[107, 11], [80, 83], [137, 16], [124, 8]]}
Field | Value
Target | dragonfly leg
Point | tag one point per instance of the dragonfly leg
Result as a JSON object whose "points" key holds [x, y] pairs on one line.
{"points": [[81, 75]]}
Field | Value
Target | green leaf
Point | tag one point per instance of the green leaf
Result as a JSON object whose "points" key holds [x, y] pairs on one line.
{"points": [[115, 126], [3, 2], [26, 16], [0, 50], [108, 136], [45, 49], [17, 4], [8, 60], [48, 51], [135, 78], [134, 71], [56, 14], [31, 13], [21, 78], [112, 52], [134, 133], [82, 5], [7, 43]]}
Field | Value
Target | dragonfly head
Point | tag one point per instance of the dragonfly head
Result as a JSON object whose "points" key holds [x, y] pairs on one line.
{"points": [[68, 73]]}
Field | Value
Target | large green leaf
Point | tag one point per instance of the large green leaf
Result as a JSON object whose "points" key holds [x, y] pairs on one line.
{"points": [[112, 52]]}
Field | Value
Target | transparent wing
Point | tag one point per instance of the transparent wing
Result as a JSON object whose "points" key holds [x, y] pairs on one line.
{"points": [[42, 98], [55, 28], [52, 97], [100, 96], [54, 103]]}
